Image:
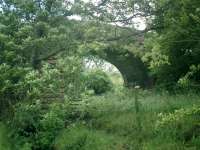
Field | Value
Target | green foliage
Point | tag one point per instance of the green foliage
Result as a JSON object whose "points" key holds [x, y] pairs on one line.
{"points": [[188, 81], [117, 79], [183, 123], [79, 137], [107, 122], [42, 82], [114, 113], [60, 81], [98, 81], [175, 46], [10, 89], [37, 127], [12, 72], [32, 32], [37, 121], [4, 138]]}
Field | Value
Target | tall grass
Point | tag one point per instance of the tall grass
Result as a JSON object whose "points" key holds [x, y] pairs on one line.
{"points": [[110, 122], [80, 137], [4, 138], [112, 117]]}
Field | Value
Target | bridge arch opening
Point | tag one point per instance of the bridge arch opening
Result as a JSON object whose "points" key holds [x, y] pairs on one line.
{"points": [[93, 63], [132, 68]]}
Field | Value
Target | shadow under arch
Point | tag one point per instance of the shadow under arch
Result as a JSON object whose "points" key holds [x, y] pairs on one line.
{"points": [[131, 67]]}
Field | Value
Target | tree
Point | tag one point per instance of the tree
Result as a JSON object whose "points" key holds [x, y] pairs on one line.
{"points": [[31, 32], [177, 42]]}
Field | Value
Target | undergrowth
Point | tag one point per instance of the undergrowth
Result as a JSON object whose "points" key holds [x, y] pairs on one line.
{"points": [[109, 122]]}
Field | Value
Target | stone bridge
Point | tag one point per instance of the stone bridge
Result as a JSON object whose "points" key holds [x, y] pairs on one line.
{"points": [[133, 70]]}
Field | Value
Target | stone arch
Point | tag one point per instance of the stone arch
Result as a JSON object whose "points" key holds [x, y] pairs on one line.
{"points": [[131, 67]]}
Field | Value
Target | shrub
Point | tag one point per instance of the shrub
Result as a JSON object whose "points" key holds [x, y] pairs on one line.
{"points": [[35, 126], [98, 81], [183, 124], [10, 89], [79, 137], [4, 138], [55, 82]]}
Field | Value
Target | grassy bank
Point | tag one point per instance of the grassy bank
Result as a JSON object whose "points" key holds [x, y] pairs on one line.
{"points": [[110, 122]]}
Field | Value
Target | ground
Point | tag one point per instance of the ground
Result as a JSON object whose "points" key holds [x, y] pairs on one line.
{"points": [[111, 123]]}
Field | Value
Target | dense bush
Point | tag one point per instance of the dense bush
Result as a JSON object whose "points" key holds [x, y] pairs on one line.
{"points": [[58, 82], [4, 138], [35, 126], [98, 81], [45, 109], [182, 124], [10, 89]]}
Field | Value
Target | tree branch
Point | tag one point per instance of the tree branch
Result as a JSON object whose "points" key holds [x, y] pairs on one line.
{"points": [[50, 55], [102, 3]]}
